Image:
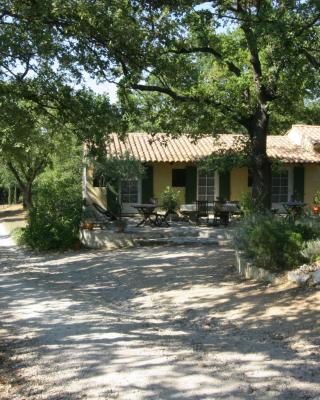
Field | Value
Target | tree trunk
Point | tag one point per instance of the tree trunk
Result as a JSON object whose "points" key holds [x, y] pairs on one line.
{"points": [[27, 197], [261, 165], [9, 195]]}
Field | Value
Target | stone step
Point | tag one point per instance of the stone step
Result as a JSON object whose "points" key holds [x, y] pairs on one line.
{"points": [[183, 241]]}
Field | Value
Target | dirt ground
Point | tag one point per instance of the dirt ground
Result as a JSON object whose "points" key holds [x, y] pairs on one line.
{"points": [[151, 323]]}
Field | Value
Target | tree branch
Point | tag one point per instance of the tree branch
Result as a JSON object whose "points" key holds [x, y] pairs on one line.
{"points": [[311, 58], [209, 50], [16, 175], [174, 95]]}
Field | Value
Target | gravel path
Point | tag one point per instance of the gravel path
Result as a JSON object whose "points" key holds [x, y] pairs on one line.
{"points": [[151, 323]]}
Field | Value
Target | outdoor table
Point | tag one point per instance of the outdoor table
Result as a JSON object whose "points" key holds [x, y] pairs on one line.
{"points": [[294, 209], [223, 210], [146, 211], [220, 209]]}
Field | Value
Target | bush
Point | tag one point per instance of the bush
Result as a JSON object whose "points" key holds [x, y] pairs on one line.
{"points": [[55, 217], [18, 236], [246, 203], [54, 220], [312, 250], [272, 243]]}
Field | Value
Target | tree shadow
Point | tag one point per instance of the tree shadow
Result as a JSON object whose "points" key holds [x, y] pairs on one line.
{"points": [[157, 323]]}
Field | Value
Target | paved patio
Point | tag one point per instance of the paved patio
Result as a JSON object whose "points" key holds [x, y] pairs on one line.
{"points": [[178, 233]]}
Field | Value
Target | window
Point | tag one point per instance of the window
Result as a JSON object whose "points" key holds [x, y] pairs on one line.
{"points": [[280, 187], [178, 177], [206, 185], [129, 191]]}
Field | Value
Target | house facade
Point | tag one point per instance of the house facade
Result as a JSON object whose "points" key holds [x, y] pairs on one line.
{"points": [[173, 162]]}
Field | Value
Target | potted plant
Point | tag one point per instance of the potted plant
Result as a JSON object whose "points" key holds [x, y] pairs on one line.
{"points": [[316, 203], [169, 199], [87, 218]]}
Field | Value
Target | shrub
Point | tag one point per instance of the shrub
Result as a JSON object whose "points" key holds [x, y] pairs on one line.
{"points": [[18, 236], [312, 250], [246, 203], [54, 219], [270, 242], [316, 198]]}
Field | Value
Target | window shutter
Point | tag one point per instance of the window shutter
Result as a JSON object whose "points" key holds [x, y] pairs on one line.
{"points": [[298, 183], [147, 184], [191, 184], [224, 185], [112, 199]]}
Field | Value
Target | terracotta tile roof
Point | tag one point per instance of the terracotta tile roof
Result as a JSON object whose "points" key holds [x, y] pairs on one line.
{"points": [[163, 148]]}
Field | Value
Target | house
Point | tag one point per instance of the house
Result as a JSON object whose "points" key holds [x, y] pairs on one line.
{"points": [[173, 162]]}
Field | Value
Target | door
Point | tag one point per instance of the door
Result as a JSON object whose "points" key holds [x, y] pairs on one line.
{"points": [[130, 193]]}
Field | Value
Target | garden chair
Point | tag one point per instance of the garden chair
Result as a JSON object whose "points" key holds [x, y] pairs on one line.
{"points": [[162, 219], [202, 210], [106, 213]]}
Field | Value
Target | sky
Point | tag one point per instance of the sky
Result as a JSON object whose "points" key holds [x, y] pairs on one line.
{"points": [[102, 88]]}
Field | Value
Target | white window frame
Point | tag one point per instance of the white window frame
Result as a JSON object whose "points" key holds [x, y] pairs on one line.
{"points": [[216, 189], [126, 208], [290, 188]]}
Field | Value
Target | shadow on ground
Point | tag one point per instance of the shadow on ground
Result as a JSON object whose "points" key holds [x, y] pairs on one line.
{"points": [[152, 323]]}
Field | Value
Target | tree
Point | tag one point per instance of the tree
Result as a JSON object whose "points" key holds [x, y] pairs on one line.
{"points": [[236, 64], [31, 133], [41, 102], [26, 145], [8, 187]]}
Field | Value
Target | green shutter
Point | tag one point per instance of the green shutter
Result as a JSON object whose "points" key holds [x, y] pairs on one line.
{"points": [[147, 184], [298, 183], [112, 199], [224, 185], [191, 184]]}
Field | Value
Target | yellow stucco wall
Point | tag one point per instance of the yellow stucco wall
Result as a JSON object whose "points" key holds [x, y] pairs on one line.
{"points": [[238, 183], [162, 177], [94, 194], [311, 182]]}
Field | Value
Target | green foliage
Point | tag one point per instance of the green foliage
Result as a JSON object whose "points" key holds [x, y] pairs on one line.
{"points": [[316, 198], [311, 250], [116, 168], [7, 180], [238, 155], [247, 204], [54, 219], [181, 66], [273, 243], [169, 199], [18, 236]]}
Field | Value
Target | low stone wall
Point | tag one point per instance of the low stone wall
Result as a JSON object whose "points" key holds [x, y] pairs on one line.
{"points": [[101, 239], [111, 240], [249, 271]]}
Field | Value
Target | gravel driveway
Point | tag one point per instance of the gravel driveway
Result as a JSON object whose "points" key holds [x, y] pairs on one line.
{"points": [[152, 323]]}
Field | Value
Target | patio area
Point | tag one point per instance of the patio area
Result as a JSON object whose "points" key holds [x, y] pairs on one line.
{"points": [[177, 233]]}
